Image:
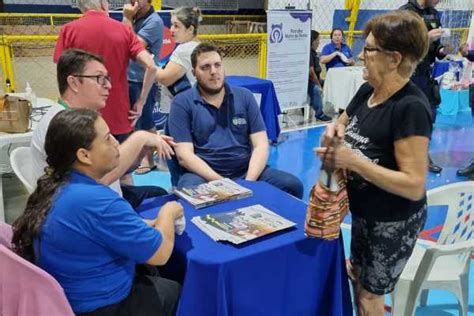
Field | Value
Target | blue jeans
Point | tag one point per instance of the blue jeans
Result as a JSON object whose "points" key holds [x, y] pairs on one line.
{"points": [[316, 102], [280, 179], [145, 122]]}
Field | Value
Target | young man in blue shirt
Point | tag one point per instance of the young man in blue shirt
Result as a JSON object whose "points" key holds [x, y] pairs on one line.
{"points": [[219, 130]]}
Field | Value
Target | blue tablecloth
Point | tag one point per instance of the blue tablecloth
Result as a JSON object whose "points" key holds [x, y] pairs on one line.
{"points": [[454, 101], [281, 274], [440, 67], [269, 106]]}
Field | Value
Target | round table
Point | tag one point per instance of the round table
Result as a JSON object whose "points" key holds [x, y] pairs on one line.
{"points": [[340, 86]]}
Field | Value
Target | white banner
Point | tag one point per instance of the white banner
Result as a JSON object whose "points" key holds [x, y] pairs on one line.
{"points": [[471, 34], [288, 55]]}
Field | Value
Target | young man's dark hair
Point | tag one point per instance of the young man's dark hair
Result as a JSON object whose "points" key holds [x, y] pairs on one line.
{"points": [[72, 62], [204, 47]]}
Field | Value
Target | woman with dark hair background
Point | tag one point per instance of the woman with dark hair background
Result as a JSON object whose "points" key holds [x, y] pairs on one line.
{"points": [[315, 86]]}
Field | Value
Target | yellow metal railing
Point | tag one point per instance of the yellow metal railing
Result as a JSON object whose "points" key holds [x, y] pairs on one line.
{"points": [[6, 55], [156, 4], [261, 37], [6, 58], [243, 44], [58, 19], [353, 6]]}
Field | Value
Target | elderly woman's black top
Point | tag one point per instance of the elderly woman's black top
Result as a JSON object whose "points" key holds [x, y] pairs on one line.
{"points": [[371, 133]]}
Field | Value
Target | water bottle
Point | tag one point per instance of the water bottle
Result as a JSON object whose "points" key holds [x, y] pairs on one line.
{"points": [[30, 95]]}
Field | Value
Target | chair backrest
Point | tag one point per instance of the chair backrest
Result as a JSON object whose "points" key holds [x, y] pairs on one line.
{"points": [[25, 289], [22, 165], [6, 234], [459, 223]]}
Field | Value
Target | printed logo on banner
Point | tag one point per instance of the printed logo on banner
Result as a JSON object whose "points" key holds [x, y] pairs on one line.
{"points": [[276, 35]]}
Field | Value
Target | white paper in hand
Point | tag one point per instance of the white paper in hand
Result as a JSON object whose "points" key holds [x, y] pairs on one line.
{"points": [[343, 57], [179, 225]]}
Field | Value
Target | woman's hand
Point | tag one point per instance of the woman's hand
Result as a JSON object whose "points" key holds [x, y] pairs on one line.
{"points": [[333, 129], [136, 111], [163, 145], [464, 49], [341, 157], [174, 208], [435, 34]]}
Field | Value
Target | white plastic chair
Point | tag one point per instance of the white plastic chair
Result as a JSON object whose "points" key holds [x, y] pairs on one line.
{"points": [[445, 264], [20, 160]]}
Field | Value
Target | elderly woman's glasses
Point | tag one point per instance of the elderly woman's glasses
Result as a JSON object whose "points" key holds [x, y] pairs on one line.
{"points": [[101, 79], [368, 49]]}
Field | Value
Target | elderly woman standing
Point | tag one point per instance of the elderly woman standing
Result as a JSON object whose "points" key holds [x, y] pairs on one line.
{"points": [[386, 128]]}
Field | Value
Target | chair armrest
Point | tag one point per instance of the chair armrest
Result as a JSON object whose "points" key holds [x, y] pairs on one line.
{"points": [[446, 250], [433, 252]]}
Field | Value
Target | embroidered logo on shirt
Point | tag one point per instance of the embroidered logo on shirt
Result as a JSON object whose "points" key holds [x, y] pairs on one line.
{"points": [[239, 121]]}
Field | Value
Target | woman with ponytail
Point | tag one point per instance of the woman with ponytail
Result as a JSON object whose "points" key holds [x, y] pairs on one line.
{"points": [[88, 237], [177, 75]]}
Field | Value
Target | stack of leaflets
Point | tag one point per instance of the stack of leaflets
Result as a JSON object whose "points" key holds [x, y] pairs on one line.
{"points": [[213, 192], [242, 224]]}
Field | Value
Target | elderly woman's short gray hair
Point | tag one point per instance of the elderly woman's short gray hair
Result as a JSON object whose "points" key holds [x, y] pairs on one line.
{"points": [[404, 32]]}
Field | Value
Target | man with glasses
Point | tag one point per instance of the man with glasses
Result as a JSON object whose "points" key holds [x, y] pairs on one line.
{"points": [[84, 82], [422, 76], [219, 130], [99, 34]]}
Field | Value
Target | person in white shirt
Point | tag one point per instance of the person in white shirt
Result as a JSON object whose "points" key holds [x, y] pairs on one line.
{"points": [[84, 82], [177, 75]]}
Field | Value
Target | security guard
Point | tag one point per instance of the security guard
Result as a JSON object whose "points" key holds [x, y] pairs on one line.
{"points": [[422, 75]]}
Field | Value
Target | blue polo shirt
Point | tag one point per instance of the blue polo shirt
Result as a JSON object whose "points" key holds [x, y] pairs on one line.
{"points": [[336, 61], [150, 29], [221, 137], [91, 241]]}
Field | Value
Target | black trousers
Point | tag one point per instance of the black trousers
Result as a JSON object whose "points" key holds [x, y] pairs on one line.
{"points": [[150, 295], [136, 194]]}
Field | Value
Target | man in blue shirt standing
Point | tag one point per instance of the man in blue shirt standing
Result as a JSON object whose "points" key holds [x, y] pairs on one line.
{"points": [[148, 26], [219, 130]]}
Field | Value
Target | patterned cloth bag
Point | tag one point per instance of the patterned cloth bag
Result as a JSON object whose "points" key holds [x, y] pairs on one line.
{"points": [[328, 203]]}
